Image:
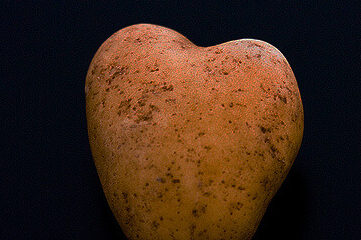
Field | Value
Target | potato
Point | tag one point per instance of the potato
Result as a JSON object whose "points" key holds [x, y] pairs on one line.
{"points": [[190, 142]]}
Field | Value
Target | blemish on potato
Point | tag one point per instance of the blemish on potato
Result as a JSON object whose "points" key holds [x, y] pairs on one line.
{"points": [[170, 100], [148, 116], [273, 148], [207, 148], [283, 99], [155, 225], [240, 188], [264, 130], [161, 180], [207, 194], [168, 88], [224, 72]]}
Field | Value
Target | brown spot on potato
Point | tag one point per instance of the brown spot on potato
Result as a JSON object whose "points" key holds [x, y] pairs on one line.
{"points": [[273, 148], [199, 210], [148, 116], [266, 184], [283, 99], [207, 148], [124, 106], [200, 134], [224, 72], [154, 108], [170, 100], [263, 89], [194, 213], [155, 225], [161, 180], [168, 88], [207, 194], [240, 188], [264, 130], [125, 196]]}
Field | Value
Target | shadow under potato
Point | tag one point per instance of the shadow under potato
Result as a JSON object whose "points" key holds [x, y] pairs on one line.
{"points": [[285, 214], [283, 219], [111, 222]]}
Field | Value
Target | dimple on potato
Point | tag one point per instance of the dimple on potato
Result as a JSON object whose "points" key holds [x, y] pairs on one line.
{"points": [[190, 142]]}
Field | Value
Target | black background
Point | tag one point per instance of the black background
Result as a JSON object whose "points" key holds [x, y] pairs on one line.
{"points": [[49, 185]]}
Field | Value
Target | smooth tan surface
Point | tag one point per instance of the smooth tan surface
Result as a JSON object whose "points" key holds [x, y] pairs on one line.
{"points": [[190, 142]]}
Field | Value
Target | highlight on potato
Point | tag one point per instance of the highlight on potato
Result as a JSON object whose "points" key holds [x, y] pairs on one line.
{"points": [[190, 142]]}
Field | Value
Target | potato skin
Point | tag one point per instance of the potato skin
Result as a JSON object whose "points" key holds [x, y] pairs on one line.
{"points": [[190, 142]]}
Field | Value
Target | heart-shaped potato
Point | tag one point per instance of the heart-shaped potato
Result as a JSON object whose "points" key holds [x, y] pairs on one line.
{"points": [[190, 142]]}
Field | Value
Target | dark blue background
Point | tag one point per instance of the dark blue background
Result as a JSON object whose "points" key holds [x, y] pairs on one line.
{"points": [[49, 186]]}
